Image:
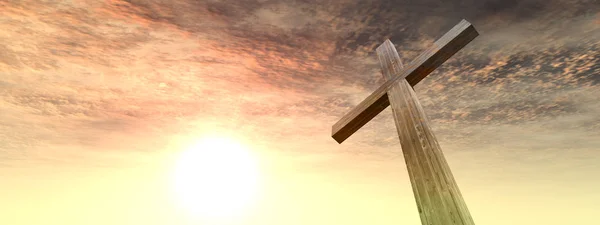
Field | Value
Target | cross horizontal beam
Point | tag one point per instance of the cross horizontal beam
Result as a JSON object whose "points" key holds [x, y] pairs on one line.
{"points": [[444, 48]]}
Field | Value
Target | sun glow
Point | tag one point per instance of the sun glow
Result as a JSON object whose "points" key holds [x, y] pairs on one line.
{"points": [[216, 178]]}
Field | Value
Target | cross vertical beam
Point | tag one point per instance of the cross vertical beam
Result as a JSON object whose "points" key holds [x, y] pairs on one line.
{"points": [[438, 198]]}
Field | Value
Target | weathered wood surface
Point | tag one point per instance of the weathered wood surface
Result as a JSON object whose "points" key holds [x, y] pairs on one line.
{"points": [[438, 198], [454, 40]]}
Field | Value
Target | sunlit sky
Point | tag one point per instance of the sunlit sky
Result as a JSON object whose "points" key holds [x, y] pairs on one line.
{"points": [[98, 99]]}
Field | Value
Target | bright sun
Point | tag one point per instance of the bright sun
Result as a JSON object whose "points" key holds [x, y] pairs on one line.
{"points": [[216, 178]]}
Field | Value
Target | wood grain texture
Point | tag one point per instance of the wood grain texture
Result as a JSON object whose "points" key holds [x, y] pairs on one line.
{"points": [[454, 40], [438, 198]]}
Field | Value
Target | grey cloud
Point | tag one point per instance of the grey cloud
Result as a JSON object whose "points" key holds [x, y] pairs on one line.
{"points": [[150, 66]]}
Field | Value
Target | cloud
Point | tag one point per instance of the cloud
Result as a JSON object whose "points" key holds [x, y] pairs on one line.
{"points": [[102, 76]]}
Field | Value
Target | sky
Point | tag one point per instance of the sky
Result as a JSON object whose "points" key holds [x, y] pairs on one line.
{"points": [[98, 98]]}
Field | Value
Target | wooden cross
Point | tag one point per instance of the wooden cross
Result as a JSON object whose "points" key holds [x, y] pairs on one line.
{"points": [[438, 198]]}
